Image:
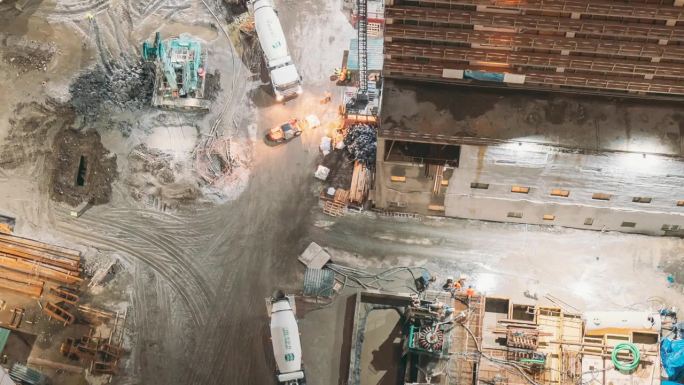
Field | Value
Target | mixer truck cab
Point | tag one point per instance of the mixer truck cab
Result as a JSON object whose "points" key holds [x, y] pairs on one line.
{"points": [[285, 80], [287, 349]]}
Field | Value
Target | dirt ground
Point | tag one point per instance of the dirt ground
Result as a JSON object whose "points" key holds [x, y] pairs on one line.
{"points": [[196, 258]]}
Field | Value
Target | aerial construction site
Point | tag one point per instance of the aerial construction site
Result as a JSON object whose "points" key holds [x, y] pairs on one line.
{"points": [[358, 192]]}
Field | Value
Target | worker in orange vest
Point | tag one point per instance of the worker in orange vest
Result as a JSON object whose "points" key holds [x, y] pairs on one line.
{"points": [[470, 292]]}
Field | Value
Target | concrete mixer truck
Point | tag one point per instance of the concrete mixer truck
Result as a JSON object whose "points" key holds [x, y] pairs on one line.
{"points": [[285, 79], [287, 348]]}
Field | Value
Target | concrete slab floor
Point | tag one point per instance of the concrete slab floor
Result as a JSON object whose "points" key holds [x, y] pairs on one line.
{"points": [[588, 270]]}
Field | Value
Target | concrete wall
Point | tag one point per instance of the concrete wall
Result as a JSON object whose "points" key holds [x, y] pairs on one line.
{"points": [[544, 168]]}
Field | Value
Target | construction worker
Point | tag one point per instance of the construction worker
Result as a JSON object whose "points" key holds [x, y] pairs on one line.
{"points": [[343, 75], [470, 292], [449, 285]]}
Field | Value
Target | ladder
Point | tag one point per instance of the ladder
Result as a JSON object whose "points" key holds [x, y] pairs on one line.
{"points": [[362, 34]]}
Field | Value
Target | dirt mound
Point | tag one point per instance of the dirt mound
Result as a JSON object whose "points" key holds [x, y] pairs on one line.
{"points": [[83, 170], [30, 128]]}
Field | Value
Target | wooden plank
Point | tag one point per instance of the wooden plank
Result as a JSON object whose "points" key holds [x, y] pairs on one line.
{"points": [[38, 270], [48, 255], [26, 253], [62, 251], [5, 257], [31, 290], [25, 278], [353, 188]]}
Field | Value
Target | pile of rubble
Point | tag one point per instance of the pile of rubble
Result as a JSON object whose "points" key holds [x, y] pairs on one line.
{"points": [[361, 142], [126, 87]]}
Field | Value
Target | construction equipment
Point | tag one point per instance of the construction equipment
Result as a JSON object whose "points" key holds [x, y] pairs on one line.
{"points": [[285, 339], [180, 72], [284, 132], [285, 79]]}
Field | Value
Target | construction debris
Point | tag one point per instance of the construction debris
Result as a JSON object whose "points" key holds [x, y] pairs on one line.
{"points": [[361, 142], [99, 90], [101, 274], [213, 159]]}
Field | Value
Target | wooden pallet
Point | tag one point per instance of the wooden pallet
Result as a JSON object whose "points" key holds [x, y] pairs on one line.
{"points": [[334, 209]]}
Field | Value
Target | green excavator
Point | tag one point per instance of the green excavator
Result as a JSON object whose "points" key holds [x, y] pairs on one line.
{"points": [[180, 71]]}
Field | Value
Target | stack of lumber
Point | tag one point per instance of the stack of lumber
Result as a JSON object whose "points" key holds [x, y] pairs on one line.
{"points": [[26, 265], [360, 184]]}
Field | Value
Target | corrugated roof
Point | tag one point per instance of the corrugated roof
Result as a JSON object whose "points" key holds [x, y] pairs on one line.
{"points": [[375, 58]]}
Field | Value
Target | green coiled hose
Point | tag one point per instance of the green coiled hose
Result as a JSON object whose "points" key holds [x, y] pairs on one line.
{"points": [[626, 366]]}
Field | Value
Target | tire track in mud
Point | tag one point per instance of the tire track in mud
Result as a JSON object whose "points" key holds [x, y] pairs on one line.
{"points": [[163, 221], [165, 244], [78, 9], [184, 280]]}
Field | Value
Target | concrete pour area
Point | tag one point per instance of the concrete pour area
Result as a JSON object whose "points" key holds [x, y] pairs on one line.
{"points": [[195, 258], [583, 270]]}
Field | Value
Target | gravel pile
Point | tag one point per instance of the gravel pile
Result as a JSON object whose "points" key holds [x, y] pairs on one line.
{"points": [[95, 92]]}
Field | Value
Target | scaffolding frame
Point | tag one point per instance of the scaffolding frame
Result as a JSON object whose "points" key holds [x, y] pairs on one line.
{"points": [[599, 46]]}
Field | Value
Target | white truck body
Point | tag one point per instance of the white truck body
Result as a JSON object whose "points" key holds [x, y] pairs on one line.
{"points": [[287, 348], [285, 79]]}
